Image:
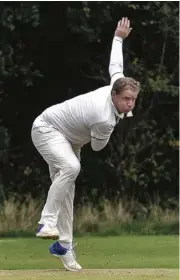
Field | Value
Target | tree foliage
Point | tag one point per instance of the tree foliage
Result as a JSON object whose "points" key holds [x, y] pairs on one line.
{"points": [[50, 52]]}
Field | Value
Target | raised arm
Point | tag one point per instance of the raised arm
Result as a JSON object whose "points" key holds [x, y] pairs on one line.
{"points": [[116, 58]]}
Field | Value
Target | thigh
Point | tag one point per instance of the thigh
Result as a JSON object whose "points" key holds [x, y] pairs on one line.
{"points": [[54, 147]]}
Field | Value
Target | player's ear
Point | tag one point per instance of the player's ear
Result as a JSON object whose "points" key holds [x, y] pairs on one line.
{"points": [[113, 93]]}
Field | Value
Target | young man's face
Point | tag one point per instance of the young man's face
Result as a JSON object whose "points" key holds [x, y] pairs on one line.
{"points": [[125, 101]]}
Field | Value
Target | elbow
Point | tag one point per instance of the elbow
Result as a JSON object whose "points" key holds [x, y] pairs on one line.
{"points": [[115, 68], [111, 69], [96, 148], [98, 145]]}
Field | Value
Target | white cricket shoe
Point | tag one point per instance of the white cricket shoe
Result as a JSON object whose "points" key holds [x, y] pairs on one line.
{"points": [[67, 256], [47, 232]]}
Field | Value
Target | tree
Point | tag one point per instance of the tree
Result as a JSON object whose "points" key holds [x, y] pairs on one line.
{"points": [[53, 51]]}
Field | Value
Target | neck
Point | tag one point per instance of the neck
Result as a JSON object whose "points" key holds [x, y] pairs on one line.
{"points": [[116, 111]]}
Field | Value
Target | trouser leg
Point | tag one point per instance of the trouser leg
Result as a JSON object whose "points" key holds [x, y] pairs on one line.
{"points": [[58, 153], [66, 215]]}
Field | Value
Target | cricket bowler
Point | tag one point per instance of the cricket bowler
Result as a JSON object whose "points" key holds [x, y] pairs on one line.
{"points": [[60, 132]]}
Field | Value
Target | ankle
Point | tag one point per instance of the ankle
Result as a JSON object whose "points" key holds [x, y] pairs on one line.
{"points": [[65, 245]]}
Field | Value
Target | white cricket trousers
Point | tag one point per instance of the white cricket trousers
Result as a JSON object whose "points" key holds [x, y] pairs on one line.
{"points": [[64, 166]]}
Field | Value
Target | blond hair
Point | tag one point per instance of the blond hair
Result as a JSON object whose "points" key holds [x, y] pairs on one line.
{"points": [[126, 83]]}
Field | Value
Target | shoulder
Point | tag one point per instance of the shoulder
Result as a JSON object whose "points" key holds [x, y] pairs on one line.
{"points": [[101, 98]]}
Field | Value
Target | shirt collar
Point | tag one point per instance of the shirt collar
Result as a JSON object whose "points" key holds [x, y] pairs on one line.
{"points": [[119, 115]]}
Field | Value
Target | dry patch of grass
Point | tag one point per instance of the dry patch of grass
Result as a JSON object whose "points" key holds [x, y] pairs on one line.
{"points": [[91, 274], [15, 215]]}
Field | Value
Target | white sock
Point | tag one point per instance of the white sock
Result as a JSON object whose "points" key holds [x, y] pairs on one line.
{"points": [[65, 244]]}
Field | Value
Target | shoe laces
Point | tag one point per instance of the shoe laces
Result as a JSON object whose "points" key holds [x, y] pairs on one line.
{"points": [[71, 253]]}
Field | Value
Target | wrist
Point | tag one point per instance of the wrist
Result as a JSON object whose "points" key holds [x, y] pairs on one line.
{"points": [[118, 38]]}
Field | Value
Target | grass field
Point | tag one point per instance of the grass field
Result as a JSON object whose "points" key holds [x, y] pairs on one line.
{"points": [[123, 257]]}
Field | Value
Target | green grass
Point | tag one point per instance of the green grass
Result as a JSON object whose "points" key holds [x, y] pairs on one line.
{"points": [[94, 252], [103, 258]]}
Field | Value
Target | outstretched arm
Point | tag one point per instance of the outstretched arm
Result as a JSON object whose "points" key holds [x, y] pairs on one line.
{"points": [[116, 58]]}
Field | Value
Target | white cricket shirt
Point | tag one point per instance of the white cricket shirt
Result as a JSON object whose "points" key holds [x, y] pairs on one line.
{"points": [[89, 117], [86, 118]]}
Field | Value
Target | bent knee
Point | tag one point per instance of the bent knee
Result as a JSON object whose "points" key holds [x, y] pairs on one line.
{"points": [[73, 169]]}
